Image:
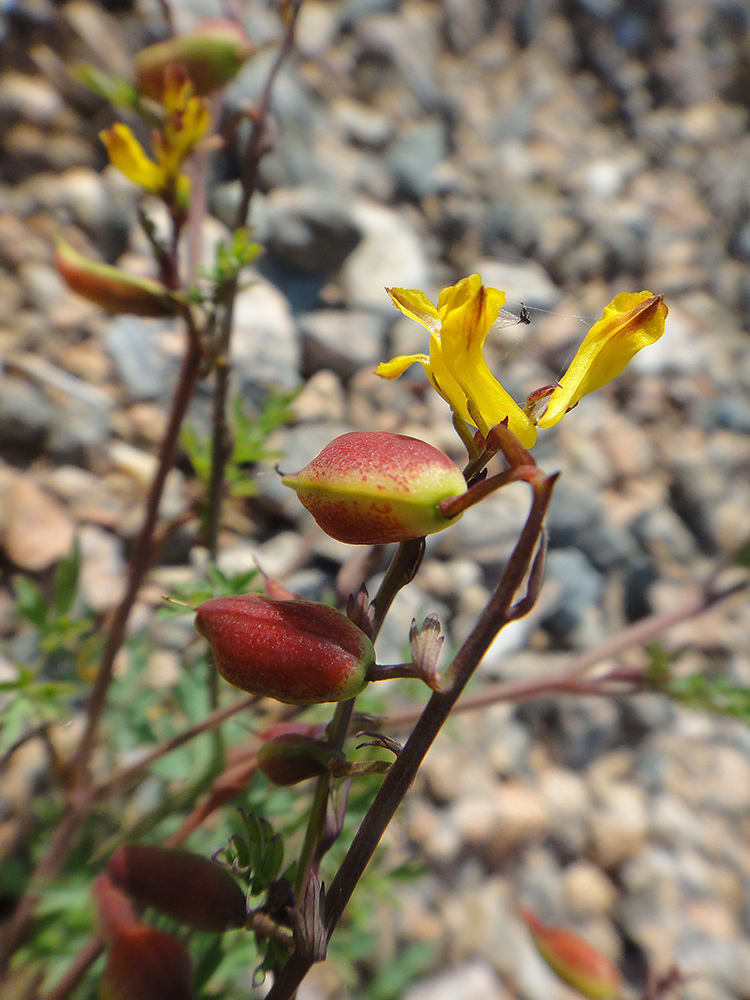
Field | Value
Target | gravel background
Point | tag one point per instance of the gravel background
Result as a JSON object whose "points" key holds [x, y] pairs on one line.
{"points": [[567, 151]]}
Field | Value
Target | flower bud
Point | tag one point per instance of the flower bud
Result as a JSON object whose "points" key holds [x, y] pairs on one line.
{"points": [[298, 652], [575, 961], [373, 487], [109, 287], [188, 887], [291, 758], [146, 964], [211, 54]]}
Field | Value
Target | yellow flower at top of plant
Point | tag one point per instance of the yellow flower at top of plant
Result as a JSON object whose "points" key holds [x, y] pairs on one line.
{"points": [[455, 365], [631, 321], [127, 154], [187, 119]]}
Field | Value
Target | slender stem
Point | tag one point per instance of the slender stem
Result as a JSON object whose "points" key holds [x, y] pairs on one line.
{"points": [[77, 970], [127, 774], [319, 807], [140, 563], [402, 569], [396, 783], [140, 559], [221, 443]]}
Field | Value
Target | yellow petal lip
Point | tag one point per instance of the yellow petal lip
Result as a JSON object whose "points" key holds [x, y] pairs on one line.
{"points": [[632, 321], [127, 154], [458, 327], [397, 366]]}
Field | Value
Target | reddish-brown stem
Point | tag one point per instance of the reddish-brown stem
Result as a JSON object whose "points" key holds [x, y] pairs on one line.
{"points": [[140, 562], [498, 612], [221, 444]]}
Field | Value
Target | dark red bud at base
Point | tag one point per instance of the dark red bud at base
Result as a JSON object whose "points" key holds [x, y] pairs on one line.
{"points": [[375, 487], [291, 758], [188, 887], [146, 964], [298, 652]]}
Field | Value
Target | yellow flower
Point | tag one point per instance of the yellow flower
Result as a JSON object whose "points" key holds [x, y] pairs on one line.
{"points": [[631, 321], [455, 365], [127, 154], [187, 121]]}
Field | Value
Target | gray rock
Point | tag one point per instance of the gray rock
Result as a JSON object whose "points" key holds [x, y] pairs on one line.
{"points": [[526, 283], [390, 253], [472, 981], [341, 341], [265, 348], [576, 591], [25, 413], [134, 344], [415, 156], [310, 229]]}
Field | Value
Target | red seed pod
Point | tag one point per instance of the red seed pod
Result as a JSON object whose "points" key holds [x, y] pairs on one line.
{"points": [[575, 961], [188, 887], [146, 964], [211, 54], [291, 758], [109, 287], [114, 909], [373, 487], [298, 652]]}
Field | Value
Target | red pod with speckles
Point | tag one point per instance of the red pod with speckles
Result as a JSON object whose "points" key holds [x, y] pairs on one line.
{"points": [[188, 887], [373, 487], [298, 652]]}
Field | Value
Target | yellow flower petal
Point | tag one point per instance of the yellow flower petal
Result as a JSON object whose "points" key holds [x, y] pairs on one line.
{"points": [[397, 366], [456, 366], [127, 154], [415, 304], [631, 321]]}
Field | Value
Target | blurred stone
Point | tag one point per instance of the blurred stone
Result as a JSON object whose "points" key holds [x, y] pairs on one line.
{"points": [[102, 568], [390, 253], [341, 341], [473, 981], [37, 530], [310, 229]]}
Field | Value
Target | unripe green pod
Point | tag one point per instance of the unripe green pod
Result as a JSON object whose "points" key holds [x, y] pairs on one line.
{"points": [[146, 964], [298, 652], [292, 757], [211, 54], [109, 287], [188, 887], [373, 487]]}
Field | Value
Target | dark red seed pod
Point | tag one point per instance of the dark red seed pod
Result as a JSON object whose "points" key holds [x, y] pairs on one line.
{"points": [[291, 758], [188, 887], [146, 964], [298, 652]]}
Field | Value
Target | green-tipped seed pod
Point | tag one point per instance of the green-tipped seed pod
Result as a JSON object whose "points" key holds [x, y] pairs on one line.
{"points": [[576, 962], [211, 54], [109, 287], [373, 487], [298, 652], [188, 887]]}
